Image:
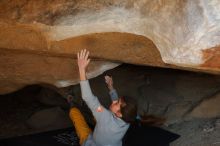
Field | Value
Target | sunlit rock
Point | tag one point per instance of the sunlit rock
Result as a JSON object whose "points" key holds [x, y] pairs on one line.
{"points": [[173, 34]]}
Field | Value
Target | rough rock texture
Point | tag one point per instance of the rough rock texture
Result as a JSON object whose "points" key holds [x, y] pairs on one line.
{"points": [[20, 69], [174, 34], [197, 132], [208, 108], [50, 97], [51, 118]]}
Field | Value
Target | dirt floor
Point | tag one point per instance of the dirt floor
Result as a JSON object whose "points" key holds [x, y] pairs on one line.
{"points": [[198, 132], [162, 92]]}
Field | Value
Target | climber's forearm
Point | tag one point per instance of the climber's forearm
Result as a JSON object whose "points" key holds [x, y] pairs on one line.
{"points": [[113, 94], [82, 74]]}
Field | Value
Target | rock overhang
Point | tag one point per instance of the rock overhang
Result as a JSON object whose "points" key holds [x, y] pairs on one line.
{"points": [[173, 34]]}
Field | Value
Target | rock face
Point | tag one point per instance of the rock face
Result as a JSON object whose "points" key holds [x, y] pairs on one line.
{"points": [[176, 95], [208, 108], [49, 118], [39, 39], [49, 97]]}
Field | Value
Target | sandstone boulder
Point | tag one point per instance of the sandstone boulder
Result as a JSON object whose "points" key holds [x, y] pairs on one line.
{"points": [[54, 118], [208, 108], [52, 98], [39, 39]]}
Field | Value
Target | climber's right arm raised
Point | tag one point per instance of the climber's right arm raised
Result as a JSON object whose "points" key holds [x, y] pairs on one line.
{"points": [[87, 95]]}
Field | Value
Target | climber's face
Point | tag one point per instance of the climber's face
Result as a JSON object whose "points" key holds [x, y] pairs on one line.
{"points": [[115, 107]]}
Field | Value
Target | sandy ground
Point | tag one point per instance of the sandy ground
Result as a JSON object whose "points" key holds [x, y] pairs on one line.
{"points": [[198, 132]]}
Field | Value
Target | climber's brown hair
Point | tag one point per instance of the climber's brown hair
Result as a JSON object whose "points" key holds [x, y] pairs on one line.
{"points": [[129, 113], [128, 110]]}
